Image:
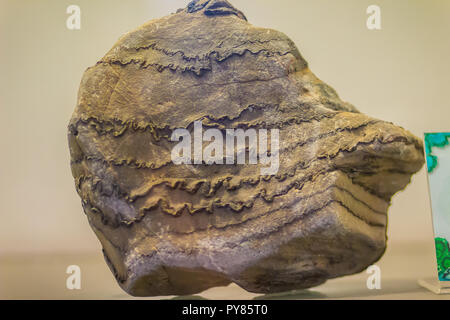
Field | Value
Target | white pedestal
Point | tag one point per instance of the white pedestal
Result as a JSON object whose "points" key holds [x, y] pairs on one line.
{"points": [[435, 286]]}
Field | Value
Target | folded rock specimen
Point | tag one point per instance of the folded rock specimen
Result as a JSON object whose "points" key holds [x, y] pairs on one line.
{"points": [[170, 229]]}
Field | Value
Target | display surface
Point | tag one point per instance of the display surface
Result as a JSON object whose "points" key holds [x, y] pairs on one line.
{"points": [[180, 229], [439, 184]]}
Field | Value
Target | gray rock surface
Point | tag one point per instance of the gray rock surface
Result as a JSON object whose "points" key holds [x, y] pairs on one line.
{"points": [[171, 229]]}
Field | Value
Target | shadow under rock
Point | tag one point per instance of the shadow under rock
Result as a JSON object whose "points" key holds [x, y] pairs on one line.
{"points": [[352, 290], [194, 297], [292, 295]]}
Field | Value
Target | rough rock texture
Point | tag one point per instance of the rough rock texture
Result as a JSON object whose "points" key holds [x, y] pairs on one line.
{"points": [[180, 229]]}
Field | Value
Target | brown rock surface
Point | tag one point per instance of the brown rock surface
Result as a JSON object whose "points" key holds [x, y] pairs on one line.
{"points": [[171, 229]]}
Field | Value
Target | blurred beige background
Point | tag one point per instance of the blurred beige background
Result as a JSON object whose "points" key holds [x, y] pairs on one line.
{"points": [[400, 73]]}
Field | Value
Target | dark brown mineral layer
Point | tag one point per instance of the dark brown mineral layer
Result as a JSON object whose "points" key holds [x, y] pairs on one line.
{"points": [[171, 229]]}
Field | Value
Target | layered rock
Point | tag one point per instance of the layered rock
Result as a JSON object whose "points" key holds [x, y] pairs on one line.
{"points": [[171, 229]]}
